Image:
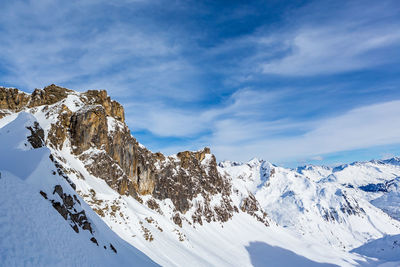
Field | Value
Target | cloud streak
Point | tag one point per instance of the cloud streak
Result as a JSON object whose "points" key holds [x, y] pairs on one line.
{"points": [[362, 127], [328, 50], [321, 38]]}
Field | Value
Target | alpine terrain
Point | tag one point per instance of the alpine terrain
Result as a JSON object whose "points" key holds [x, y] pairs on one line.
{"points": [[77, 189]]}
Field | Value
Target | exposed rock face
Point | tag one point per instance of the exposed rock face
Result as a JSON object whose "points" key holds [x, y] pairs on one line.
{"points": [[122, 156], [88, 128], [197, 175], [97, 133], [66, 208], [59, 131], [111, 108], [350, 206], [15, 100], [12, 99], [37, 135], [69, 207], [48, 96], [252, 207]]}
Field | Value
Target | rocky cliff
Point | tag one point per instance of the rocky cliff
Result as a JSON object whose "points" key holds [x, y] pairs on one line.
{"points": [[93, 126]]}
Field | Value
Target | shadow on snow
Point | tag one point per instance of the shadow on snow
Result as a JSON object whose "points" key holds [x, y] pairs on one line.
{"points": [[262, 254]]}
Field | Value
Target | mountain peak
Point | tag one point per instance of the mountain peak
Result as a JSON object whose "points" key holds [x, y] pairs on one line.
{"points": [[91, 127], [255, 161], [14, 100]]}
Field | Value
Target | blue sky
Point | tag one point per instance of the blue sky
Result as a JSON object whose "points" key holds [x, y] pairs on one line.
{"points": [[292, 82]]}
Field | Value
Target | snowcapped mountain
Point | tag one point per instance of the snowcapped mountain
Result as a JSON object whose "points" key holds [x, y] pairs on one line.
{"points": [[333, 201], [75, 182]]}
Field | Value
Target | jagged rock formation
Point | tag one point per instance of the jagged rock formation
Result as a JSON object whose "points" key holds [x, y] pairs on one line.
{"points": [[252, 207], [14, 100], [67, 209], [94, 127], [37, 135], [197, 175], [348, 207]]}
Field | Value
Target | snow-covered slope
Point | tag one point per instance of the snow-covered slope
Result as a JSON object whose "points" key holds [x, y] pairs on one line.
{"points": [[331, 206], [384, 251], [33, 232]]}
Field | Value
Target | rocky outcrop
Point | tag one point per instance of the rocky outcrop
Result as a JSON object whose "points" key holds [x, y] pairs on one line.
{"points": [[99, 97], [126, 166], [15, 100], [251, 206], [349, 206], [98, 136], [60, 129], [12, 99], [48, 96], [66, 208], [88, 129], [36, 139], [191, 175], [69, 207]]}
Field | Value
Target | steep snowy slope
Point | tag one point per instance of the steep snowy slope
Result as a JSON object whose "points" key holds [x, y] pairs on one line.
{"points": [[35, 197]]}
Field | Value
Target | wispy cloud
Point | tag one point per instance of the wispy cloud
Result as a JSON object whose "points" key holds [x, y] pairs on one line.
{"points": [[350, 38], [329, 37], [332, 49], [69, 44], [317, 158], [164, 120], [362, 127], [236, 131]]}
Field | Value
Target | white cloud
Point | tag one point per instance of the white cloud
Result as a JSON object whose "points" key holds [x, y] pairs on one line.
{"points": [[318, 158], [331, 49], [362, 127], [328, 38], [166, 120]]}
